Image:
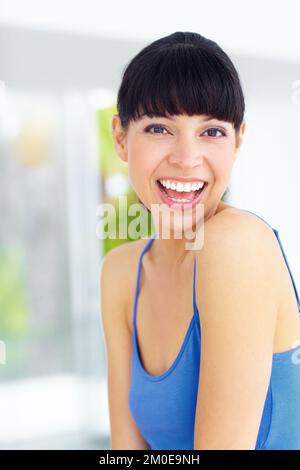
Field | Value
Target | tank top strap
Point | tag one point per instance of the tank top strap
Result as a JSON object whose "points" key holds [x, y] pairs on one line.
{"points": [[196, 311], [284, 256], [289, 269], [137, 287]]}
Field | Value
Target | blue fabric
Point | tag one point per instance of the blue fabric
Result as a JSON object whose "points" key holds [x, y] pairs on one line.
{"points": [[164, 406]]}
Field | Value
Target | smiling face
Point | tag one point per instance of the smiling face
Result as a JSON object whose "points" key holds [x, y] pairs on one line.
{"points": [[164, 152]]}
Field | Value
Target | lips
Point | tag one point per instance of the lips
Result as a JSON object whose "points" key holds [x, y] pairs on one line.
{"points": [[180, 199], [189, 195]]}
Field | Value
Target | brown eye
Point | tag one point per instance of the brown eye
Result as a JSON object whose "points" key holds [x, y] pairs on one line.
{"points": [[215, 129], [154, 126]]}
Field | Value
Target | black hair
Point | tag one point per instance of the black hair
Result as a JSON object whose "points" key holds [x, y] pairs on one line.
{"points": [[182, 73]]}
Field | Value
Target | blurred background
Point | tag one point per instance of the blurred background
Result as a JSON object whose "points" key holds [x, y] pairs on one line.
{"points": [[60, 68]]}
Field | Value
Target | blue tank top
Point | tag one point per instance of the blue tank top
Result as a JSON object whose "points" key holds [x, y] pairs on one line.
{"points": [[164, 406]]}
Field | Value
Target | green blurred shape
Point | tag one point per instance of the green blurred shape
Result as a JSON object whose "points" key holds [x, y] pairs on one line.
{"points": [[110, 163], [14, 312]]}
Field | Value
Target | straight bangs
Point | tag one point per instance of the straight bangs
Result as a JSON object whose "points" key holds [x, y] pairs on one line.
{"points": [[182, 79]]}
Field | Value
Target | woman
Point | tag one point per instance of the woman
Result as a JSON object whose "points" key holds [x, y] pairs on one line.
{"points": [[228, 308]]}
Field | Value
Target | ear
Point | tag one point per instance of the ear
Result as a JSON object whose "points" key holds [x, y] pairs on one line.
{"points": [[239, 138], [119, 137]]}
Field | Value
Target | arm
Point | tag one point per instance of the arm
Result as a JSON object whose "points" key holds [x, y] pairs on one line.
{"points": [[113, 276], [238, 298]]}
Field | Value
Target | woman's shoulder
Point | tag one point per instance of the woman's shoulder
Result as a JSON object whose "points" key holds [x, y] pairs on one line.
{"points": [[121, 262], [117, 275], [122, 258], [238, 282], [126, 253], [232, 223], [232, 213], [241, 242]]}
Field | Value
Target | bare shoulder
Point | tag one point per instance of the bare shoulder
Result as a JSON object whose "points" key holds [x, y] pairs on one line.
{"points": [[240, 250], [235, 228], [122, 258], [118, 271], [232, 217]]}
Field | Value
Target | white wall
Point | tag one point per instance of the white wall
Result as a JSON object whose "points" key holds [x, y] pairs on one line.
{"points": [[266, 175], [265, 28]]}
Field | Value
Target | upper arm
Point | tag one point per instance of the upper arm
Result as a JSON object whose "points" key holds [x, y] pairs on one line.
{"points": [[238, 300], [113, 286]]}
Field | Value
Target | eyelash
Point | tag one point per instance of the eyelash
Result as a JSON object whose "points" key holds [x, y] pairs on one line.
{"points": [[148, 128]]}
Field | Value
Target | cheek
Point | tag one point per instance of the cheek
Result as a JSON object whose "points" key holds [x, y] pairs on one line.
{"points": [[143, 161], [221, 162]]}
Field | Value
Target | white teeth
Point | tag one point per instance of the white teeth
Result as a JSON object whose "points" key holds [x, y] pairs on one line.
{"points": [[181, 187], [176, 199]]}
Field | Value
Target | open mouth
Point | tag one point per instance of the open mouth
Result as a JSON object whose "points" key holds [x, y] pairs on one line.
{"points": [[173, 196]]}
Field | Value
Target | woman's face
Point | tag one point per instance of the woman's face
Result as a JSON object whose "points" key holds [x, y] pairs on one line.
{"points": [[176, 148]]}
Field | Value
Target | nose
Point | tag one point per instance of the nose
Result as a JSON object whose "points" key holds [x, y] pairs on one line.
{"points": [[186, 154]]}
